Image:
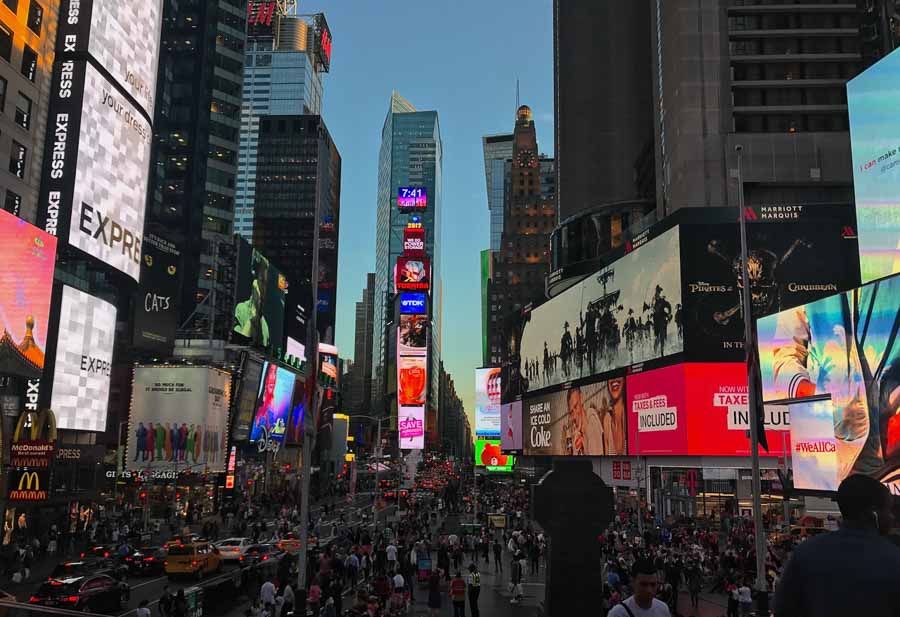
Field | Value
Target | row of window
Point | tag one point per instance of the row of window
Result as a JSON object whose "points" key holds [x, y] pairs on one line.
{"points": [[35, 14], [744, 97], [754, 71], [29, 56], [790, 123], [22, 115], [781, 46], [793, 21]]}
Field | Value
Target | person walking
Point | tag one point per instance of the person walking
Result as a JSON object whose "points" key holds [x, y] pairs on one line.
{"points": [[745, 599], [643, 602], [434, 593], [498, 557], [458, 595], [267, 596], [474, 588], [852, 571]]}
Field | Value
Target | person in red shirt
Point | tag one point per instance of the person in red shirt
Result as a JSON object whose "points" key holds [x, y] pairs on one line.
{"points": [[458, 595]]}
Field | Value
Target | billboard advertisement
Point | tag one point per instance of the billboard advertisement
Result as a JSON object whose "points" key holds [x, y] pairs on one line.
{"points": [[411, 428], [179, 418], [819, 459], [413, 303], [26, 284], [583, 420], [260, 295], [412, 198], [623, 314], [489, 456], [273, 403], [245, 409], [719, 420], [487, 402], [511, 426], [83, 366], [156, 304], [414, 241], [413, 274], [412, 381], [123, 38], [796, 253], [412, 336], [874, 131], [96, 168], [845, 346]]}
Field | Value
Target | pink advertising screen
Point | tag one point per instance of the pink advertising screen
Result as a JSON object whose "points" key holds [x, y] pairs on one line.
{"points": [[656, 412]]}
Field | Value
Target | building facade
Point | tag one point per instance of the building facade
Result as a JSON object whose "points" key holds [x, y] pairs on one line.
{"points": [[299, 186], [281, 77], [410, 155], [360, 390], [194, 166], [521, 264], [27, 41], [498, 151]]}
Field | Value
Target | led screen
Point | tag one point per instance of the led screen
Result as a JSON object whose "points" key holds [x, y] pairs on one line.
{"points": [[511, 426], [412, 335], [84, 352], [155, 305], [273, 403], [412, 274], [179, 418], [260, 294], [413, 303], [412, 380], [620, 315], [414, 241], [411, 428], [123, 38], [819, 459], [874, 134], [412, 198], [246, 403], [845, 346], [584, 420], [26, 282], [487, 402], [489, 456]]}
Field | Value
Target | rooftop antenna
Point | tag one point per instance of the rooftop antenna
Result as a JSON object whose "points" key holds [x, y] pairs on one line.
{"points": [[517, 94]]}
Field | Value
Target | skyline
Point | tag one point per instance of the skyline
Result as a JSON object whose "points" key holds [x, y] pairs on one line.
{"points": [[356, 100]]}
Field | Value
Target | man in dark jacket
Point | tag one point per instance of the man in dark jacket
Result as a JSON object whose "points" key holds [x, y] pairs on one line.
{"points": [[853, 571]]}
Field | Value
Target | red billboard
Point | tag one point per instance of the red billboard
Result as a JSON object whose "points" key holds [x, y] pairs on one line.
{"points": [[698, 409], [413, 273], [414, 241]]}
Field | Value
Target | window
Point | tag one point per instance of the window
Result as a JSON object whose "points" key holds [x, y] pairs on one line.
{"points": [[13, 202], [12, 4], [23, 111], [29, 63], [5, 44], [2, 95], [35, 17], [17, 154]]}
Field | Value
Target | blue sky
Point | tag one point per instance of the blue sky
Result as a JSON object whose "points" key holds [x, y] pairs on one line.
{"points": [[461, 58]]}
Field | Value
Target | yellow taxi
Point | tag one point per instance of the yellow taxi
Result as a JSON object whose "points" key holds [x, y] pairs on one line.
{"points": [[290, 543], [192, 559]]}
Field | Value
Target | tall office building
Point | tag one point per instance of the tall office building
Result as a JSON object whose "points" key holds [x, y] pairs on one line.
{"points": [[27, 39], [521, 264], [410, 155], [191, 201], [299, 186], [282, 77], [361, 379], [767, 76], [498, 151]]}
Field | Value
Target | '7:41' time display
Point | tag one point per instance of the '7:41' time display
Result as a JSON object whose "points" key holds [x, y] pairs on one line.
{"points": [[412, 198]]}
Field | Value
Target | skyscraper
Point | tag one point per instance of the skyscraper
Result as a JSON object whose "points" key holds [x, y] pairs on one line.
{"points": [[498, 150], [361, 378], [194, 165], [281, 77], [410, 155]]}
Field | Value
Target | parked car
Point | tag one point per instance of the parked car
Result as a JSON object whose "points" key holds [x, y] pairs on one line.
{"points": [[193, 559], [231, 549], [97, 593]]}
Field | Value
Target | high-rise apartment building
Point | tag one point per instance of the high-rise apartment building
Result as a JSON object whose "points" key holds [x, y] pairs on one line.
{"points": [[410, 155], [192, 184], [521, 264], [282, 77], [27, 40], [498, 151], [767, 76], [299, 186]]}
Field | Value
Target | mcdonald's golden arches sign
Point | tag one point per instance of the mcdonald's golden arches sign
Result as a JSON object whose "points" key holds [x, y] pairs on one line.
{"points": [[29, 485], [34, 440]]}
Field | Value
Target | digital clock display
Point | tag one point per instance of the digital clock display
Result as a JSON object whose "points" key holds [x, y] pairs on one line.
{"points": [[412, 198]]}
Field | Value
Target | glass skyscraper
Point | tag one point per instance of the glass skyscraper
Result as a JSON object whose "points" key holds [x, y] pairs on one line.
{"points": [[281, 78], [410, 155], [498, 151]]}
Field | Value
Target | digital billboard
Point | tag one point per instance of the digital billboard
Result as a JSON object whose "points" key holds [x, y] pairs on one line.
{"points": [[622, 314], [179, 418], [719, 420], [413, 274], [412, 335], [511, 426], [411, 428], [96, 167], [819, 460], [797, 254], [412, 198], [273, 403], [874, 132], [260, 295], [123, 38], [156, 303], [845, 346], [245, 409], [83, 366], [487, 402], [583, 420], [414, 241], [413, 303], [412, 381], [26, 283], [489, 456]]}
